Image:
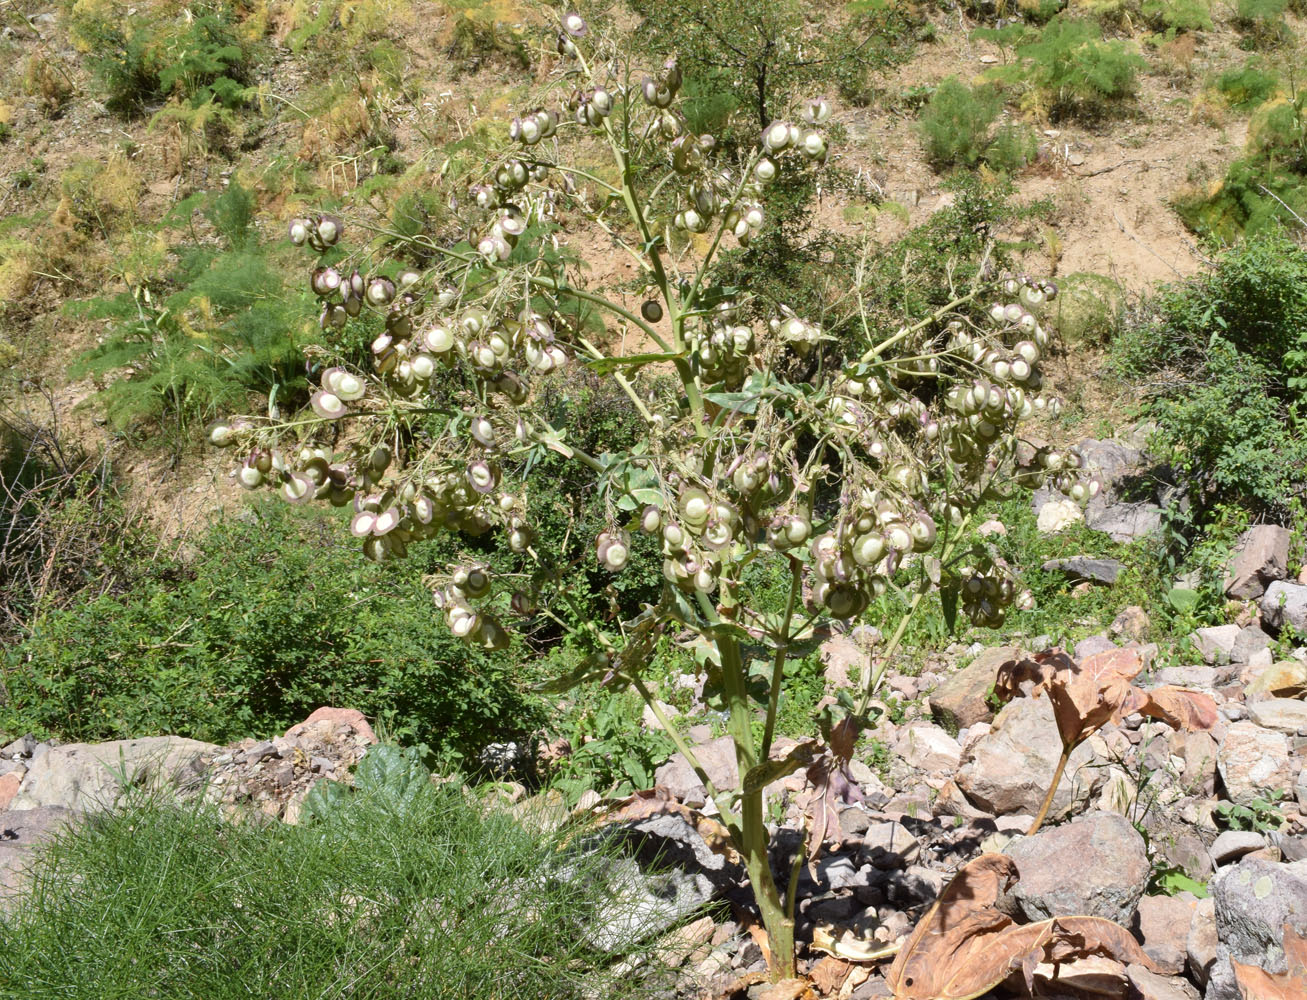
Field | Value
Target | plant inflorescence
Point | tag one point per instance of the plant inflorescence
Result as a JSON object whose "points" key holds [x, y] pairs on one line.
{"points": [[850, 465]]}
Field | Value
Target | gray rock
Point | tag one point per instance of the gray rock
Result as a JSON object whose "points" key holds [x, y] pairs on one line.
{"points": [[1056, 515], [1234, 844], [854, 822], [1096, 865], [1111, 459], [1254, 899], [1189, 676], [839, 871], [668, 839], [1284, 715], [503, 759], [87, 777], [20, 833], [928, 748], [1260, 558], [1253, 761], [639, 905], [1086, 568], [718, 759], [1250, 642], [1151, 986], [21, 747], [261, 752], [1123, 522], [1188, 853], [890, 845], [1291, 848], [960, 701], [1215, 642], [1285, 604], [844, 657], [1008, 770], [1092, 645], [1283, 679], [1132, 624], [1202, 944], [1161, 925]]}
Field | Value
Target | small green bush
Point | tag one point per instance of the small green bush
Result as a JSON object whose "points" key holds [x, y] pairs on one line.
{"points": [[1224, 357], [273, 617], [1089, 308], [1178, 15], [957, 129], [1247, 86], [1266, 187], [200, 329], [143, 58], [395, 889], [1262, 22], [1074, 71]]}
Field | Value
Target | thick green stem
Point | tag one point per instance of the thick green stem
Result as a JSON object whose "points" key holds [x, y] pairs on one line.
{"points": [[782, 653], [1052, 790], [751, 833], [934, 317]]}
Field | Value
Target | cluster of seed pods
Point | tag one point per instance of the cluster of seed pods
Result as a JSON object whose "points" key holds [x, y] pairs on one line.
{"points": [[886, 519], [319, 231], [723, 346]]}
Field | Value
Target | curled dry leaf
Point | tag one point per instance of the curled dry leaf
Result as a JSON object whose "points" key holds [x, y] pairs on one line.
{"points": [[1291, 984], [964, 946], [829, 975], [1178, 708], [1087, 695]]}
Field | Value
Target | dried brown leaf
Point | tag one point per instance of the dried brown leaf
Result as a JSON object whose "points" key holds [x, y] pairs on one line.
{"points": [[1257, 984], [964, 945], [788, 989], [650, 802], [1087, 695], [963, 915], [828, 975], [1178, 708]]}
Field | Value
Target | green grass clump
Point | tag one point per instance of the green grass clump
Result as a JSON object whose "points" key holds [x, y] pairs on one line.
{"points": [[1247, 86], [141, 57], [396, 889], [1264, 189], [957, 129], [1073, 71]]}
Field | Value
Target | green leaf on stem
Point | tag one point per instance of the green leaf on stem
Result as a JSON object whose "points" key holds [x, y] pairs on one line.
{"points": [[948, 596], [761, 775], [606, 366]]}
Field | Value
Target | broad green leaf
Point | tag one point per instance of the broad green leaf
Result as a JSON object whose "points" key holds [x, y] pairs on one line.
{"points": [[948, 596]]}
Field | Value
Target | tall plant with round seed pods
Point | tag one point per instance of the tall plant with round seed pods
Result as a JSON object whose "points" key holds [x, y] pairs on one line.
{"points": [[855, 469]]}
